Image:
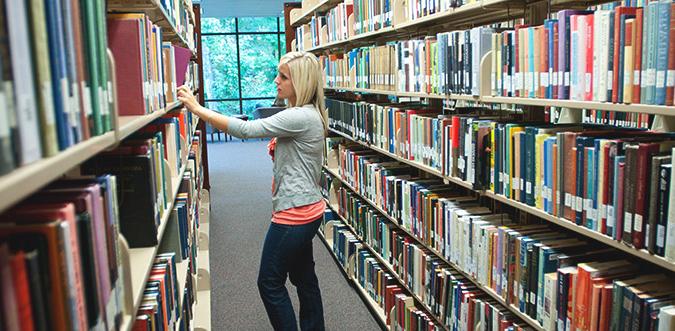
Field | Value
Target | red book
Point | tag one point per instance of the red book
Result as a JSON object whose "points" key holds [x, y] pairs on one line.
{"points": [[618, 205], [637, 53], [142, 323], [22, 291], [555, 79], [569, 185], [588, 71], [55, 222], [621, 10], [645, 153], [605, 307], [670, 81], [124, 40], [602, 214], [454, 136]]}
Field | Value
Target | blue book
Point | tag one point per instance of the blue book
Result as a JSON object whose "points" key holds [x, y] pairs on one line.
{"points": [[550, 24], [662, 51], [648, 90], [57, 66]]}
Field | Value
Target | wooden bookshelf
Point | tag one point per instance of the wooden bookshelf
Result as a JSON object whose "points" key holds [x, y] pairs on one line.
{"points": [[408, 94], [321, 6], [595, 105], [157, 15], [130, 124], [389, 268], [377, 311], [530, 321], [25, 180], [641, 254], [142, 259], [202, 307]]}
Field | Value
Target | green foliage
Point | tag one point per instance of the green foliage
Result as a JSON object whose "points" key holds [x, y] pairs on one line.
{"points": [[259, 56]]}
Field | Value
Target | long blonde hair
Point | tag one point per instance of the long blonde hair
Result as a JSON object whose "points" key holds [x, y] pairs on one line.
{"points": [[307, 78]]}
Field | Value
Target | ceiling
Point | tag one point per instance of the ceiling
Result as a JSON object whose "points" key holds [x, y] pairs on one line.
{"points": [[242, 8]]}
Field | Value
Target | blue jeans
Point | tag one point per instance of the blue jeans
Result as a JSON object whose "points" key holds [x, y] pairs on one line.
{"points": [[288, 252]]}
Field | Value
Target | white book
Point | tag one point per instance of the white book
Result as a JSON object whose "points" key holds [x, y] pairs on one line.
{"points": [[25, 108], [667, 318]]}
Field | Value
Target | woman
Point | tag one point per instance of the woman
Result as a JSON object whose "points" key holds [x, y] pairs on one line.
{"points": [[297, 203]]}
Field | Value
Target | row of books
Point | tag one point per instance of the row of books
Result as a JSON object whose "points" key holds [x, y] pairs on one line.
{"points": [[180, 12], [618, 54], [55, 79], [381, 286], [614, 182], [59, 253], [439, 287], [446, 63], [159, 309], [325, 29], [59, 258], [531, 267], [139, 164], [150, 70]]}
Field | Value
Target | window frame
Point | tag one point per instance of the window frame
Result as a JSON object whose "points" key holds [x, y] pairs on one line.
{"points": [[237, 33]]}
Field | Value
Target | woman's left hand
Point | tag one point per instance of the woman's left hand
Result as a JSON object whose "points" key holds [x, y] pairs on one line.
{"points": [[188, 99]]}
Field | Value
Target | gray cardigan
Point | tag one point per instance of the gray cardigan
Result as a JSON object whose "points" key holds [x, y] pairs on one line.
{"points": [[298, 155]]}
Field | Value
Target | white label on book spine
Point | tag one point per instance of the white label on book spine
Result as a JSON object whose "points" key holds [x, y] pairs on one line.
{"points": [[568, 200], [587, 82], [670, 78], [528, 188], [522, 184], [649, 78], [637, 224], [87, 100], [660, 235], [610, 79], [627, 222], [544, 79], [566, 78], [554, 78], [660, 79], [4, 116], [636, 77], [580, 204], [46, 89]]}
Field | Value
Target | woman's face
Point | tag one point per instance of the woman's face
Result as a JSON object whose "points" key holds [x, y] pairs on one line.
{"points": [[284, 84]]}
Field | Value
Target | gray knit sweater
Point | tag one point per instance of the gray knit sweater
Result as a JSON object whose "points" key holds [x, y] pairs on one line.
{"points": [[298, 154]]}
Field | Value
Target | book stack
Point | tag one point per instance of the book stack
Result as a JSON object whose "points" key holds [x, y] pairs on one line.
{"points": [[372, 15], [420, 8], [59, 258], [55, 82], [159, 308], [367, 67]]}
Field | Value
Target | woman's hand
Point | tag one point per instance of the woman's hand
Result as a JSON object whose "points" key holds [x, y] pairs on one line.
{"points": [[189, 100]]}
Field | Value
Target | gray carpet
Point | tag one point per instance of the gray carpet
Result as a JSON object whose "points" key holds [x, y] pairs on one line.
{"points": [[241, 175]]}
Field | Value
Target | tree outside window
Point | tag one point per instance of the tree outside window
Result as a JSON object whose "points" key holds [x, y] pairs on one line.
{"points": [[240, 62]]}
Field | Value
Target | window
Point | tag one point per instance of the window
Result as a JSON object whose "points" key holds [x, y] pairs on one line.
{"points": [[240, 62]]}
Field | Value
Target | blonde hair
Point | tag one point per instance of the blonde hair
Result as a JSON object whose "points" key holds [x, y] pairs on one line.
{"points": [[307, 78]]}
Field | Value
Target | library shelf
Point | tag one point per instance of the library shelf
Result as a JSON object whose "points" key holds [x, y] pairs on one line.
{"points": [[377, 311], [388, 267], [527, 319], [321, 6], [642, 254], [473, 14], [594, 105], [25, 180], [127, 125], [142, 259], [407, 94], [157, 15]]}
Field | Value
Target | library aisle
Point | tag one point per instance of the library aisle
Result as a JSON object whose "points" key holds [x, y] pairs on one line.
{"points": [[240, 214]]}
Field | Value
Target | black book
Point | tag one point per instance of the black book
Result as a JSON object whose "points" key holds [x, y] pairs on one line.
{"points": [[663, 205]]}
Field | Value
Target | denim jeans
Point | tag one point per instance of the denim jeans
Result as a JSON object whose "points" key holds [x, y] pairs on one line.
{"points": [[287, 251]]}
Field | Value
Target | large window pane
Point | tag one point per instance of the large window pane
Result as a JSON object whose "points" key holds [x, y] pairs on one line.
{"points": [[224, 107], [282, 23], [220, 67], [259, 59], [218, 25], [250, 105], [283, 45], [257, 24]]}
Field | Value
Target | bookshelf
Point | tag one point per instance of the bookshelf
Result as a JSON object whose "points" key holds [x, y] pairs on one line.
{"points": [[202, 307], [136, 264], [377, 311], [534, 324], [320, 6], [473, 15], [641, 254]]}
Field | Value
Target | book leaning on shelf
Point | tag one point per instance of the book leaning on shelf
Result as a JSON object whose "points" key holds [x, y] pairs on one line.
{"points": [[520, 263], [55, 78], [59, 258]]}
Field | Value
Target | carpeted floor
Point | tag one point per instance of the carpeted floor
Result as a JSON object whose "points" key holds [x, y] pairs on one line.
{"points": [[241, 175]]}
